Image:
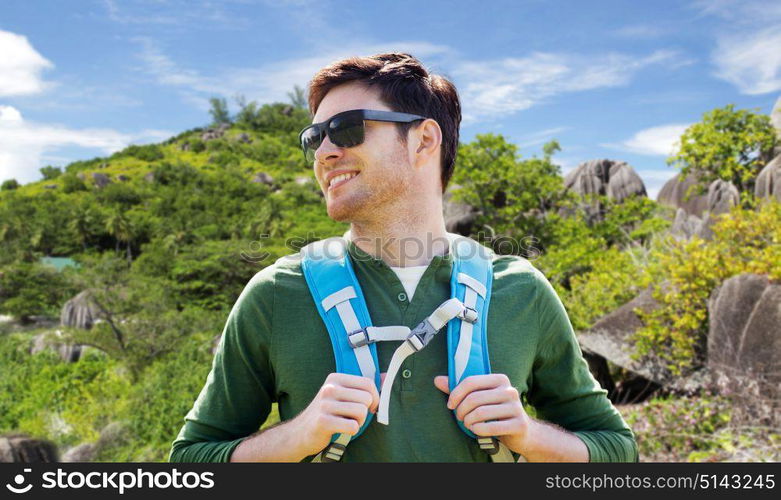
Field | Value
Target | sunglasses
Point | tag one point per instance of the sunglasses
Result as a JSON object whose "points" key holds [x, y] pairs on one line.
{"points": [[347, 129]]}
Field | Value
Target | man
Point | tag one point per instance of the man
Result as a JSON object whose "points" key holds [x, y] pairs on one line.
{"points": [[386, 179]]}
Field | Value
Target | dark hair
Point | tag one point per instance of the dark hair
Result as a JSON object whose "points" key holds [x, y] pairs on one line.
{"points": [[405, 86]]}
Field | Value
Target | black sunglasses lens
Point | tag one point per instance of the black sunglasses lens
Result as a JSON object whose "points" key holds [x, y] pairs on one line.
{"points": [[346, 131], [310, 141]]}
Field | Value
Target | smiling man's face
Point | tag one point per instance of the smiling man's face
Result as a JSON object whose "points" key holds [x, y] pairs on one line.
{"points": [[361, 181]]}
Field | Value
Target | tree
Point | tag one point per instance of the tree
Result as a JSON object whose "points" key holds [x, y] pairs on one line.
{"points": [[142, 317], [298, 98], [82, 224], [512, 195], [727, 144], [119, 226], [49, 173], [9, 185], [29, 289], [219, 111]]}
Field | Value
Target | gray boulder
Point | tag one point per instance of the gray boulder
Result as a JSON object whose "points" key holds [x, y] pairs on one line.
{"points": [[695, 216], [722, 196], [768, 183], [263, 178], [100, 180], [685, 225], [744, 338], [215, 133], [775, 119], [123, 178], [674, 192], [185, 146], [150, 177], [50, 186], [244, 137], [611, 338], [111, 436], [80, 312], [54, 341], [614, 179], [19, 448], [84, 452], [460, 217]]}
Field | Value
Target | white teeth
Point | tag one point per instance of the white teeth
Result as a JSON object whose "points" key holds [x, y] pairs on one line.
{"points": [[341, 177]]}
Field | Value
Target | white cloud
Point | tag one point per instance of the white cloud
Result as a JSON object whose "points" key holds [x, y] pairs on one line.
{"points": [[751, 62], [653, 141], [487, 88], [748, 44], [499, 87], [24, 146], [539, 137], [267, 83], [20, 66]]}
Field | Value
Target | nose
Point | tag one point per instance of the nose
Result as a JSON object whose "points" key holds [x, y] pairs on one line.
{"points": [[328, 152]]}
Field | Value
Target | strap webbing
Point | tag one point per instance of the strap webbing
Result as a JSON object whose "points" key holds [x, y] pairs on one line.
{"points": [[417, 340], [334, 451]]}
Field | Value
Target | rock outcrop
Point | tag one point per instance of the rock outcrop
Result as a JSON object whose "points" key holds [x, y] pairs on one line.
{"points": [[674, 194], [614, 179], [744, 339], [460, 217], [100, 180], [611, 338], [84, 452], [768, 183], [775, 119], [79, 312], [215, 133], [695, 216], [19, 448], [263, 178], [70, 353]]}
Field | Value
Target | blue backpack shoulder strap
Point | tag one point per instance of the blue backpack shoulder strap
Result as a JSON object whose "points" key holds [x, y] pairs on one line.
{"points": [[470, 282], [337, 294]]}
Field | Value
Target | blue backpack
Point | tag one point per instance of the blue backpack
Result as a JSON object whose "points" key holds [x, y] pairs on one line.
{"points": [[337, 294]]}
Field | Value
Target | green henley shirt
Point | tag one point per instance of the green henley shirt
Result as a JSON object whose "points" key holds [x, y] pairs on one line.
{"points": [[275, 348]]}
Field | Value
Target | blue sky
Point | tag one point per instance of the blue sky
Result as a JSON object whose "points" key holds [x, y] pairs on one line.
{"points": [[608, 79]]}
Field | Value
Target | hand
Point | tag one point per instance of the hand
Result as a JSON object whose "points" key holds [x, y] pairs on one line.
{"points": [[489, 406], [340, 406]]}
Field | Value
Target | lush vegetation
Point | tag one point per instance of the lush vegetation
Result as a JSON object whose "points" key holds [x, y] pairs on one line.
{"points": [[165, 236], [728, 144]]}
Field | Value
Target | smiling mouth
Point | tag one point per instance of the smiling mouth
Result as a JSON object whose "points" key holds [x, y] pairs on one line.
{"points": [[341, 179]]}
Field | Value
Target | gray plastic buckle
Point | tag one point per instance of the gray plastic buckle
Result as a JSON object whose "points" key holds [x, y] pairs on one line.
{"points": [[358, 338], [423, 333], [469, 315]]}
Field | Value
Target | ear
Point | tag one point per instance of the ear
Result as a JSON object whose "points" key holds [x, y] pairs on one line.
{"points": [[428, 141]]}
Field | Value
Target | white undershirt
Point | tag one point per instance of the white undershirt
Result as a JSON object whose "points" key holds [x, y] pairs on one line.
{"points": [[409, 277]]}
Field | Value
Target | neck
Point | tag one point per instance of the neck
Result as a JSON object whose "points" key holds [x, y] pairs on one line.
{"points": [[411, 237]]}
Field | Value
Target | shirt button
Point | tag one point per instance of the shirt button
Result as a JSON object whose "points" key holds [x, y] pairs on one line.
{"points": [[402, 297], [406, 374]]}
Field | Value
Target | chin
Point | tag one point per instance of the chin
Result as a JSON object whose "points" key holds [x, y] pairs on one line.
{"points": [[346, 210]]}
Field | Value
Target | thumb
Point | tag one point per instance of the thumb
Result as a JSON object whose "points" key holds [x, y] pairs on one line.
{"points": [[441, 383]]}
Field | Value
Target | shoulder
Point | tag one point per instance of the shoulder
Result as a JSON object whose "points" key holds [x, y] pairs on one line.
{"points": [[515, 271], [273, 278]]}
